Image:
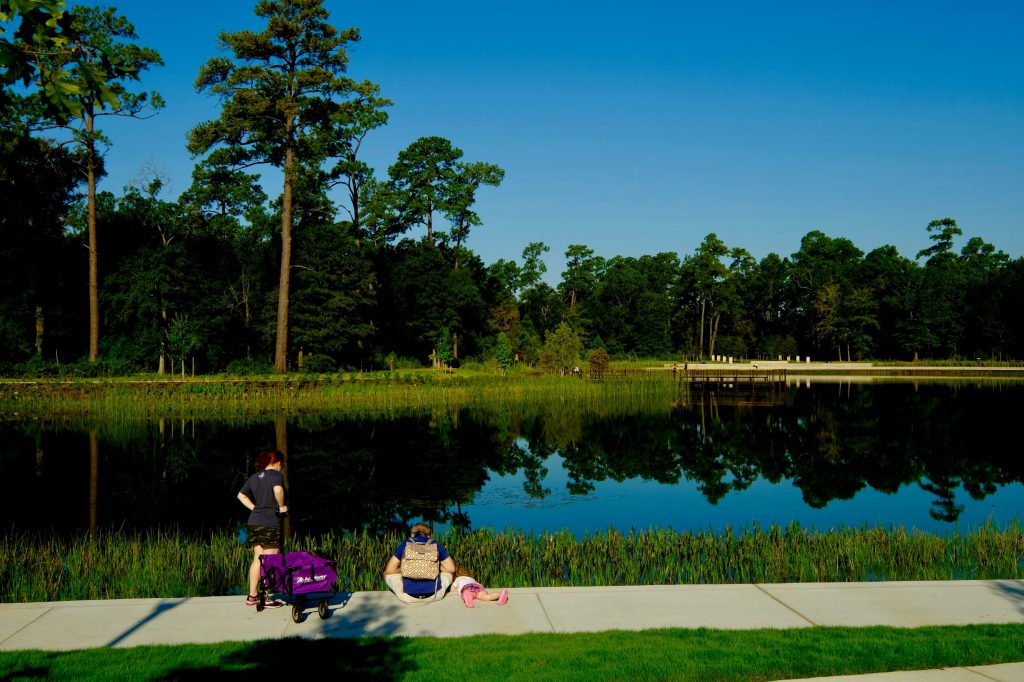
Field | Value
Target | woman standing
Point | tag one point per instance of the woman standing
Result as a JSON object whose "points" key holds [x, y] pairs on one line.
{"points": [[263, 495]]}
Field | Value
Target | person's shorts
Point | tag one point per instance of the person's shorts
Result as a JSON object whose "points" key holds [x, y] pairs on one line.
{"points": [[264, 536]]}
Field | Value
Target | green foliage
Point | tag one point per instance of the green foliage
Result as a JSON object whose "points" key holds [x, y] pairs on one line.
{"points": [[182, 338], [444, 346], [102, 368], [392, 362], [503, 352], [318, 363], [598, 361], [53, 49], [429, 179], [334, 296], [423, 179], [562, 349], [421, 294], [249, 366]]}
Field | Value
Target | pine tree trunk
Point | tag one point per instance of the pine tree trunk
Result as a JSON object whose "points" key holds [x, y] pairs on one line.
{"points": [[713, 333], [162, 367], [353, 196], [94, 277], [281, 343], [700, 351], [40, 325]]}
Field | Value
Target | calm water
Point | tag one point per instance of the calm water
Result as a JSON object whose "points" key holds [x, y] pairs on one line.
{"points": [[931, 456]]}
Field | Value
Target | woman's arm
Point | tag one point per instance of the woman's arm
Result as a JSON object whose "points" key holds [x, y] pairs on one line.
{"points": [[279, 497], [393, 566], [246, 502], [448, 565]]}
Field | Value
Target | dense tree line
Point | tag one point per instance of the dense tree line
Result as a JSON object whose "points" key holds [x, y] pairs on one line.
{"points": [[229, 273]]}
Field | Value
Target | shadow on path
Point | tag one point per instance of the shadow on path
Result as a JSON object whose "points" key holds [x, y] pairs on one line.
{"points": [[157, 610], [1013, 590], [366, 618]]}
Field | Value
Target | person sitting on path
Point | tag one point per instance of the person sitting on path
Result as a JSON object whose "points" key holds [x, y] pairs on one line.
{"points": [[263, 495], [470, 590], [420, 568]]}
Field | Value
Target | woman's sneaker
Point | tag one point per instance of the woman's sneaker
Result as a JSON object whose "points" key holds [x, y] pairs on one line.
{"points": [[269, 604]]}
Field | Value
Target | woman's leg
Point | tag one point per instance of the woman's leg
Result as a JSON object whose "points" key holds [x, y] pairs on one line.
{"points": [[254, 568], [395, 584], [446, 581]]}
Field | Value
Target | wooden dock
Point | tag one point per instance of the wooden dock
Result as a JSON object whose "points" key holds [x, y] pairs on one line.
{"points": [[730, 377], [733, 386], [725, 376]]}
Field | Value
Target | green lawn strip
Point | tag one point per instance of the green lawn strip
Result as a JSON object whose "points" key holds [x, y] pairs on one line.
{"points": [[671, 654]]}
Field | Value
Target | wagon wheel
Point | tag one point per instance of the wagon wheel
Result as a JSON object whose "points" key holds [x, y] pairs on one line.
{"points": [[261, 600], [296, 613], [324, 612]]}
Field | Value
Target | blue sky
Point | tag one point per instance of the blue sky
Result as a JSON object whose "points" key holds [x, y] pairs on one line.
{"points": [[639, 128]]}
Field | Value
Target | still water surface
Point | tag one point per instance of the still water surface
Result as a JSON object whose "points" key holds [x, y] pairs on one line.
{"points": [[933, 456]]}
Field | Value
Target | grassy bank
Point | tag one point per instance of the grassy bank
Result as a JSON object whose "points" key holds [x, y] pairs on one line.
{"points": [[706, 655], [626, 390], [161, 564], [367, 394]]}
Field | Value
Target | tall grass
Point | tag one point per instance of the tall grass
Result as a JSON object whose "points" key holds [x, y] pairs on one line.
{"points": [[169, 564], [385, 394]]}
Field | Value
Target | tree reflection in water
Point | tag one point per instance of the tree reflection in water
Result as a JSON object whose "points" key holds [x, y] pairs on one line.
{"points": [[349, 473]]}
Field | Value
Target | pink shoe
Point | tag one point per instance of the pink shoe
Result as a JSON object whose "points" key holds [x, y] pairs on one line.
{"points": [[503, 598], [468, 596]]}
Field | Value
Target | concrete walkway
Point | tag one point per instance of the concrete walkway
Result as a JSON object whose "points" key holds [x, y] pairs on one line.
{"points": [[133, 622]]}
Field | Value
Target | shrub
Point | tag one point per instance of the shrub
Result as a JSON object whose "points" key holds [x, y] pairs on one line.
{"points": [[103, 367], [598, 361], [249, 366], [407, 363], [319, 364]]}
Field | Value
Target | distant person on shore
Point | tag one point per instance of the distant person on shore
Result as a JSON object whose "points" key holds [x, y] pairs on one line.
{"points": [[470, 590], [420, 569], [263, 495]]}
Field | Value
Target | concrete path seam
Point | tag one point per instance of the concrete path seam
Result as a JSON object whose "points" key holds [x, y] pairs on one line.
{"points": [[784, 604], [22, 628], [981, 674], [545, 612]]}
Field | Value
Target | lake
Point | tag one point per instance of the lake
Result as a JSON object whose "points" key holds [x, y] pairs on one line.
{"points": [[937, 456]]}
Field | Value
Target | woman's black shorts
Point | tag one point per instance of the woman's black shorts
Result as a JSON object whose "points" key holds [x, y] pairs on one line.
{"points": [[265, 536]]}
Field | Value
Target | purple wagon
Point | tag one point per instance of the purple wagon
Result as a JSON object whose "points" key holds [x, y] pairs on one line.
{"points": [[299, 576]]}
